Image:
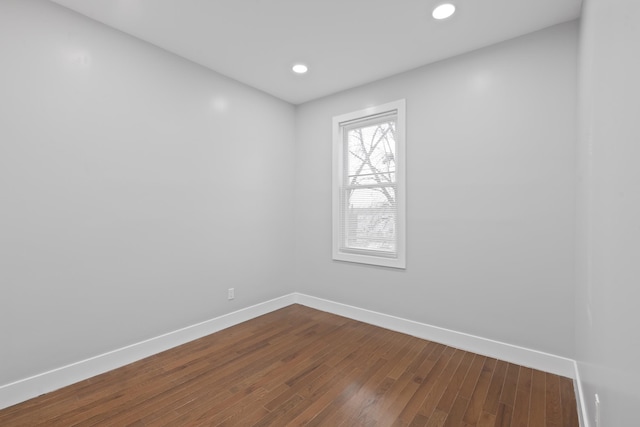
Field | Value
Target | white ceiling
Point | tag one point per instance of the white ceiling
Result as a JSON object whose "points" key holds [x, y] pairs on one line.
{"points": [[345, 43]]}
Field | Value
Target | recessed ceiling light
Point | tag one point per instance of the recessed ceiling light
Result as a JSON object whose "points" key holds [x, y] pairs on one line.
{"points": [[443, 11], [300, 68]]}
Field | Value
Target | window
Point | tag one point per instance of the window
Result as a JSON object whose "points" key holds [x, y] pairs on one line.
{"points": [[369, 186]]}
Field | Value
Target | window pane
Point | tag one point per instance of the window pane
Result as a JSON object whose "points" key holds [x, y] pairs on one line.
{"points": [[370, 219], [371, 155]]}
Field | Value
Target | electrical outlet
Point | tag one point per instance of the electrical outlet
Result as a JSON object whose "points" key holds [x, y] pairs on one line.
{"points": [[231, 294], [597, 399]]}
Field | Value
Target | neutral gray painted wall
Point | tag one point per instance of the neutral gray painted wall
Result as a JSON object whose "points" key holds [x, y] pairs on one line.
{"points": [[607, 316], [491, 194], [135, 188]]}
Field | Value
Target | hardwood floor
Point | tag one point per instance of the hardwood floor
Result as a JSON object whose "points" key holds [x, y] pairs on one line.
{"points": [[299, 366]]}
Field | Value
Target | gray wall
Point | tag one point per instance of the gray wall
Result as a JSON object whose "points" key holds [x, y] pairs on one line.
{"points": [[136, 187], [607, 316], [491, 194]]}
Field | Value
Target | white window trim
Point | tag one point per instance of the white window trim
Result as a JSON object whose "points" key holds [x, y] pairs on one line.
{"points": [[397, 107]]}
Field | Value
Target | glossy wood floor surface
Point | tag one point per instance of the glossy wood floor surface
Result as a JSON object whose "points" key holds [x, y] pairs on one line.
{"points": [[299, 366]]}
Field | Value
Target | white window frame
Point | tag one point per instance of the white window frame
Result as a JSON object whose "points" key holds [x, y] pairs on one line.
{"points": [[340, 125]]}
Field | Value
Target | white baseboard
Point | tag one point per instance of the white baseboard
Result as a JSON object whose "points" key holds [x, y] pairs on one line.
{"points": [[19, 391], [486, 347], [28, 388]]}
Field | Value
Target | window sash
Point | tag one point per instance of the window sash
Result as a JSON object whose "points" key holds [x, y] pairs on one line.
{"points": [[349, 224]]}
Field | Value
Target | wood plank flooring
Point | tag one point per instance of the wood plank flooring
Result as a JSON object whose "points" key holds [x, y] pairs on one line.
{"points": [[299, 366]]}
